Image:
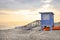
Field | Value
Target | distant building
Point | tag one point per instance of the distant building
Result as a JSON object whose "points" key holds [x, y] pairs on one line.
{"points": [[33, 24]]}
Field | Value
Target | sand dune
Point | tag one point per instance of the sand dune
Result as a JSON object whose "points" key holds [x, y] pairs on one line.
{"points": [[33, 34]]}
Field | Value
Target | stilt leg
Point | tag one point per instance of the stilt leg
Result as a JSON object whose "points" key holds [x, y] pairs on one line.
{"points": [[50, 28]]}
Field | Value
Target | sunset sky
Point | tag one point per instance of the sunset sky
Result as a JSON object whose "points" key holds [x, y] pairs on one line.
{"points": [[21, 12]]}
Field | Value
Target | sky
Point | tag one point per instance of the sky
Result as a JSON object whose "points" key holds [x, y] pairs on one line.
{"points": [[21, 12]]}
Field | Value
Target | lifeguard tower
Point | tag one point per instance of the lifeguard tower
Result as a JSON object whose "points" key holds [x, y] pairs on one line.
{"points": [[47, 20]]}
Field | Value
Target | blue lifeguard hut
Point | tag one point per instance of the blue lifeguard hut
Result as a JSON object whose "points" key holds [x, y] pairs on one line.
{"points": [[47, 19]]}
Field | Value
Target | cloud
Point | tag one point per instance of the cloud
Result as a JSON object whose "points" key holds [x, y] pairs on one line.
{"points": [[19, 4], [46, 1], [3, 13], [27, 4], [46, 5], [56, 4]]}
